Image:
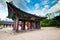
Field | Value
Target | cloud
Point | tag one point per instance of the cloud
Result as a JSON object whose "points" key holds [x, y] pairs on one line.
{"points": [[45, 2], [1, 1], [28, 1], [3, 13], [53, 1], [45, 9], [42, 12], [55, 8], [8, 0], [59, 1], [21, 4], [3, 9], [36, 6]]}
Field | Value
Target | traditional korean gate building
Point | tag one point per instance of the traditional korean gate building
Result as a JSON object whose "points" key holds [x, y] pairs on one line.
{"points": [[21, 17]]}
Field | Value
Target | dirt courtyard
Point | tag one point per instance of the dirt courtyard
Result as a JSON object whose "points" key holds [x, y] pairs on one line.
{"points": [[45, 33]]}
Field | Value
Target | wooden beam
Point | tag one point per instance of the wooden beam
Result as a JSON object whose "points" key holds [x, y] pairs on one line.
{"points": [[29, 25], [34, 24], [23, 25]]}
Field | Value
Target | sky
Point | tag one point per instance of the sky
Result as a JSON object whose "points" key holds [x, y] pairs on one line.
{"points": [[37, 7]]}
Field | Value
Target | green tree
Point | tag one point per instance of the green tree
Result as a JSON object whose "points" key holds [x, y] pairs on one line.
{"points": [[1, 23]]}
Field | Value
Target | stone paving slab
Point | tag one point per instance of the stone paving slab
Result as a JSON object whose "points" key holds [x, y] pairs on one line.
{"points": [[46, 33]]}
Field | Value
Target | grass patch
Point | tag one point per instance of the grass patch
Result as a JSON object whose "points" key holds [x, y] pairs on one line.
{"points": [[0, 28]]}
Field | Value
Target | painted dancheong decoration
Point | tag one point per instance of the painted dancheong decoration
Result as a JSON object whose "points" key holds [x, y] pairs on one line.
{"points": [[23, 18]]}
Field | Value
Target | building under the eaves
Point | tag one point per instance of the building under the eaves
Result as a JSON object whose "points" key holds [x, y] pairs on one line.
{"points": [[7, 23], [23, 19]]}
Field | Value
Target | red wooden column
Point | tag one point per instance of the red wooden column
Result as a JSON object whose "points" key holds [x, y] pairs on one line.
{"points": [[34, 24], [40, 25], [14, 25], [29, 25], [17, 26], [23, 25]]}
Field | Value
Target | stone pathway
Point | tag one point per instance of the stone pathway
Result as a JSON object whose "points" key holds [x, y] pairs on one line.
{"points": [[46, 33]]}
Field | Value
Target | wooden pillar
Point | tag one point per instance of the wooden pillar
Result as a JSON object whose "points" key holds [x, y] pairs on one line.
{"points": [[11, 25], [14, 25], [29, 25], [23, 25], [17, 26], [4, 26], [40, 25], [34, 24]]}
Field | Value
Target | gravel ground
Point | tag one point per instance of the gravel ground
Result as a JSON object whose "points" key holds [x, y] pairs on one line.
{"points": [[46, 33]]}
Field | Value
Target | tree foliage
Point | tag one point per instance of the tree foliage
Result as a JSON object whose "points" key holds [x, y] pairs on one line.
{"points": [[51, 22], [1, 23], [56, 18]]}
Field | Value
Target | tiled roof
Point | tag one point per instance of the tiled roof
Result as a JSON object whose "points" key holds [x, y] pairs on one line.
{"points": [[7, 22]]}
